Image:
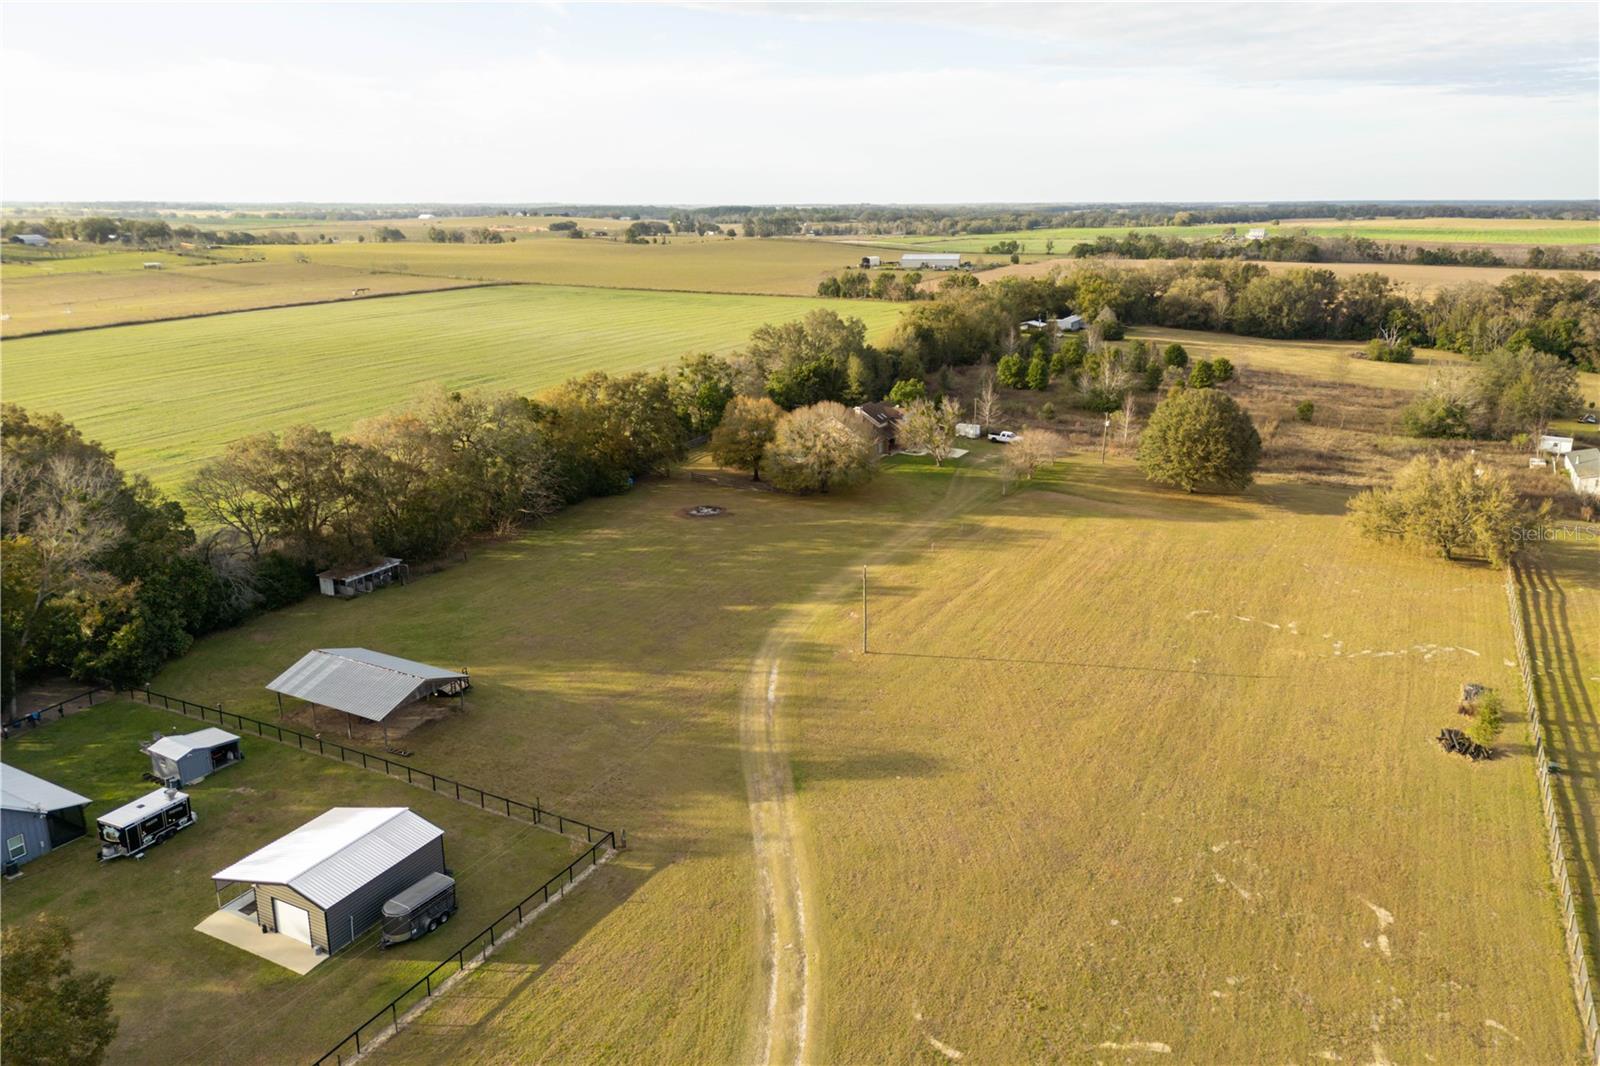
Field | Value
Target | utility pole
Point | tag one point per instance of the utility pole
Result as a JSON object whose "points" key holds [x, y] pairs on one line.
{"points": [[863, 610], [1105, 436]]}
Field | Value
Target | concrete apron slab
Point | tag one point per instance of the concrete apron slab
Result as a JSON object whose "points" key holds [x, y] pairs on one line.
{"points": [[230, 927]]}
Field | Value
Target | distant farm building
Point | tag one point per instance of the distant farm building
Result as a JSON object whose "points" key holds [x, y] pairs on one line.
{"points": [[1583, 467], [347, 581], [32, 240], [885, 419], [424, 217], [1257, 234], [870, 261], [364, 684], [152, 265], [931, 261], [190, 757], [37, 816], [326, 883], [1068, 324]]}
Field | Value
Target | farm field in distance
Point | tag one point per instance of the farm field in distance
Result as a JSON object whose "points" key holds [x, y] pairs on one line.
{"points": [[83, 299], [167, 395], [135, 918], [1547, 232], [108, 288]]}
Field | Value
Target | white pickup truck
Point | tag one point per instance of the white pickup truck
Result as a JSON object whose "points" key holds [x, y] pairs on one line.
{"points": [[1005, 436]]}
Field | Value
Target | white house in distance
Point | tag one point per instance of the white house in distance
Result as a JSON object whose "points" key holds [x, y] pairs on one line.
{"points": [[1258, 233], [1583, 467], [931, 261]]}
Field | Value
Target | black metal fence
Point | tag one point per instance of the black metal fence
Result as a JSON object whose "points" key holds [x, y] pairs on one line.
{"points": [[386, 1020], [411, 775], [60, 709]]}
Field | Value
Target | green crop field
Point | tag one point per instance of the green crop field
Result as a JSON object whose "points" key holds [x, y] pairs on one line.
{"points": [[1025, 827], [182, 996], [1546, 232], [168, 394]]}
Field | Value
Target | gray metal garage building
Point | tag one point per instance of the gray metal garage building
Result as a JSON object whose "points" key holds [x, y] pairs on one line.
{"points": [[325, 883], [37, 816]]}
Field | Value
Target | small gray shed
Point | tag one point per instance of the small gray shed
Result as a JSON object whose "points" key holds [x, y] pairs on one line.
{"points": [[191, 757], [37, 816], [326, 883]]}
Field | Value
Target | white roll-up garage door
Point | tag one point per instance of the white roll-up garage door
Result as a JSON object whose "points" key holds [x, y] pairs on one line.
{"points": [[292, 921]]}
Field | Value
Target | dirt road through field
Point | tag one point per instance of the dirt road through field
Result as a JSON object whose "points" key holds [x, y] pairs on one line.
{"points": [[789, 956], [777, 842]]}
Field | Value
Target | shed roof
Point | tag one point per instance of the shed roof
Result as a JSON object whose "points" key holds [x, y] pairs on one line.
{"points": [[142, 808], [941, 256], [367, 684], [335, 853], [177, 747], [21, 791], [344, 573]]}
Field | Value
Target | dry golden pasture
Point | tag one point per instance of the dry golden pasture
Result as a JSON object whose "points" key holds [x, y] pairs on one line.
{"points": [[1132, 768]]}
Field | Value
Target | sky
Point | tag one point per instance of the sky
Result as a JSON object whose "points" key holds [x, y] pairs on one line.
{"points": [[798, 103]]}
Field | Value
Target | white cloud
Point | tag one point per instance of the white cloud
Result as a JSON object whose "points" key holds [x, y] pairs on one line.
{"points": [[1189, 103]]}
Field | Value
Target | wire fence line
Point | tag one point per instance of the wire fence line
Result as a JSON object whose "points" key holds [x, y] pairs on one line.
{"points": [[534, 813], [1583, 986]]}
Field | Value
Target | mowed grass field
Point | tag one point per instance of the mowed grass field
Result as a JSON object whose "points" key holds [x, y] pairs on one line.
{"points": [[1156, 770], [1125, 767], [1547, 232], [608, 649], [182, 996], [84, 299], [168, 395]]}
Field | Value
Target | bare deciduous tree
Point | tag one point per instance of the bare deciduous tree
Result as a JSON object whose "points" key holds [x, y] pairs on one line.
{"points": [[986, 405], [1034, 449], [930, 427]]}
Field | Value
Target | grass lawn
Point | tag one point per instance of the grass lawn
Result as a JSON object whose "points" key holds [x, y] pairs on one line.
{"points": [[167, 395], [1104, 793], [185, 997]]}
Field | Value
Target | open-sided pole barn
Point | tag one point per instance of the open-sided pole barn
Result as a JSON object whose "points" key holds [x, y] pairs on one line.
{"points": [[364, 684]]}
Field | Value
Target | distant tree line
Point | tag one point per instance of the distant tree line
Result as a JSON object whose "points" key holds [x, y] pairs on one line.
{"points": [[1556, 315], [1303, 247]]}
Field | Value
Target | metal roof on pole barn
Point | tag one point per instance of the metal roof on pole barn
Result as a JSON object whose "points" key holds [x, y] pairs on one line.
{"points": [[21, 791], [335, 853], [367, 684]]}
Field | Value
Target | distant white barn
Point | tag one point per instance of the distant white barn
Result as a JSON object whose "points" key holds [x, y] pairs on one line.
{"points": [[931, 261], [1259, 233]]}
